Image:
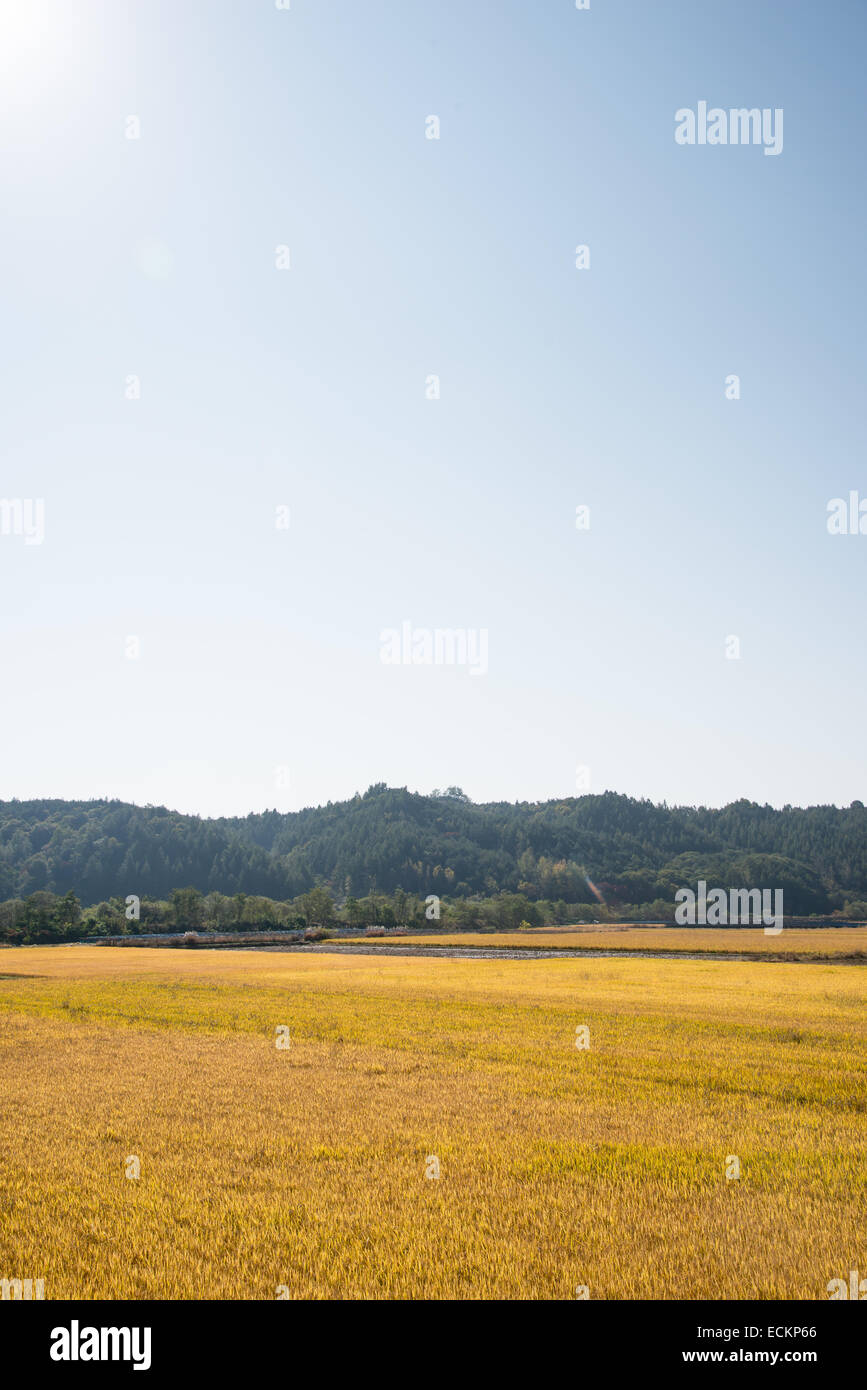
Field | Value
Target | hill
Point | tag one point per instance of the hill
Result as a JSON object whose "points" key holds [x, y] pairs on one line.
{"points": [[632, 851]]}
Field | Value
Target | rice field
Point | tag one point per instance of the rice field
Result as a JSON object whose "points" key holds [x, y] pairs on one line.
{"points": [[163, 1138], [812, 943]]}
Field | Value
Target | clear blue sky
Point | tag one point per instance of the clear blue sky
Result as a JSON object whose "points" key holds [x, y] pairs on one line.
{"points": [[259, 647]]}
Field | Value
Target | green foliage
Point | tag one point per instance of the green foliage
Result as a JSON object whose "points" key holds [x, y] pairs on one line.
{"points": [[187, 909], [40, 917], [369, 851], [855, 911], [318, 907]]}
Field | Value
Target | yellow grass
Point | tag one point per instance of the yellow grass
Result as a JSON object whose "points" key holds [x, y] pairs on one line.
{"points": [[305, 1167], [819, 943]]}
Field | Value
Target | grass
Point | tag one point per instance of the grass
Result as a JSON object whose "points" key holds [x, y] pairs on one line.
{"points": [[819, 943], [305, 1167]]}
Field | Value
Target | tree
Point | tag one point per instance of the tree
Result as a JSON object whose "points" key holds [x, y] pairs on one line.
{"points": [[856, 910], [68, 912], [40, 916], [12, 920], [187, 908], [318, 907]]}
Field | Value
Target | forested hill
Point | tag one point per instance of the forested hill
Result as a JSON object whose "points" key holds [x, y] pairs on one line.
{"points": [[633, 851]]}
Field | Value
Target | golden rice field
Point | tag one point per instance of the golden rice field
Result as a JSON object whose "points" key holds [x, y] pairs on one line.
{"points": [[814, 943], [305, 1167]]}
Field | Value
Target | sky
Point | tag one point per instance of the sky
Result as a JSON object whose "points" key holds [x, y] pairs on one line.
{"points": [[281, 373]]}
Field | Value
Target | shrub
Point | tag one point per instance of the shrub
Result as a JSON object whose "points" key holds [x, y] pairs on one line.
{"points": [[858, 910]]}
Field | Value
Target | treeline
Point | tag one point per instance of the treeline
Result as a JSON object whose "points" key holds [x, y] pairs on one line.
{"points": [[386, 841], [43, 917]]}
